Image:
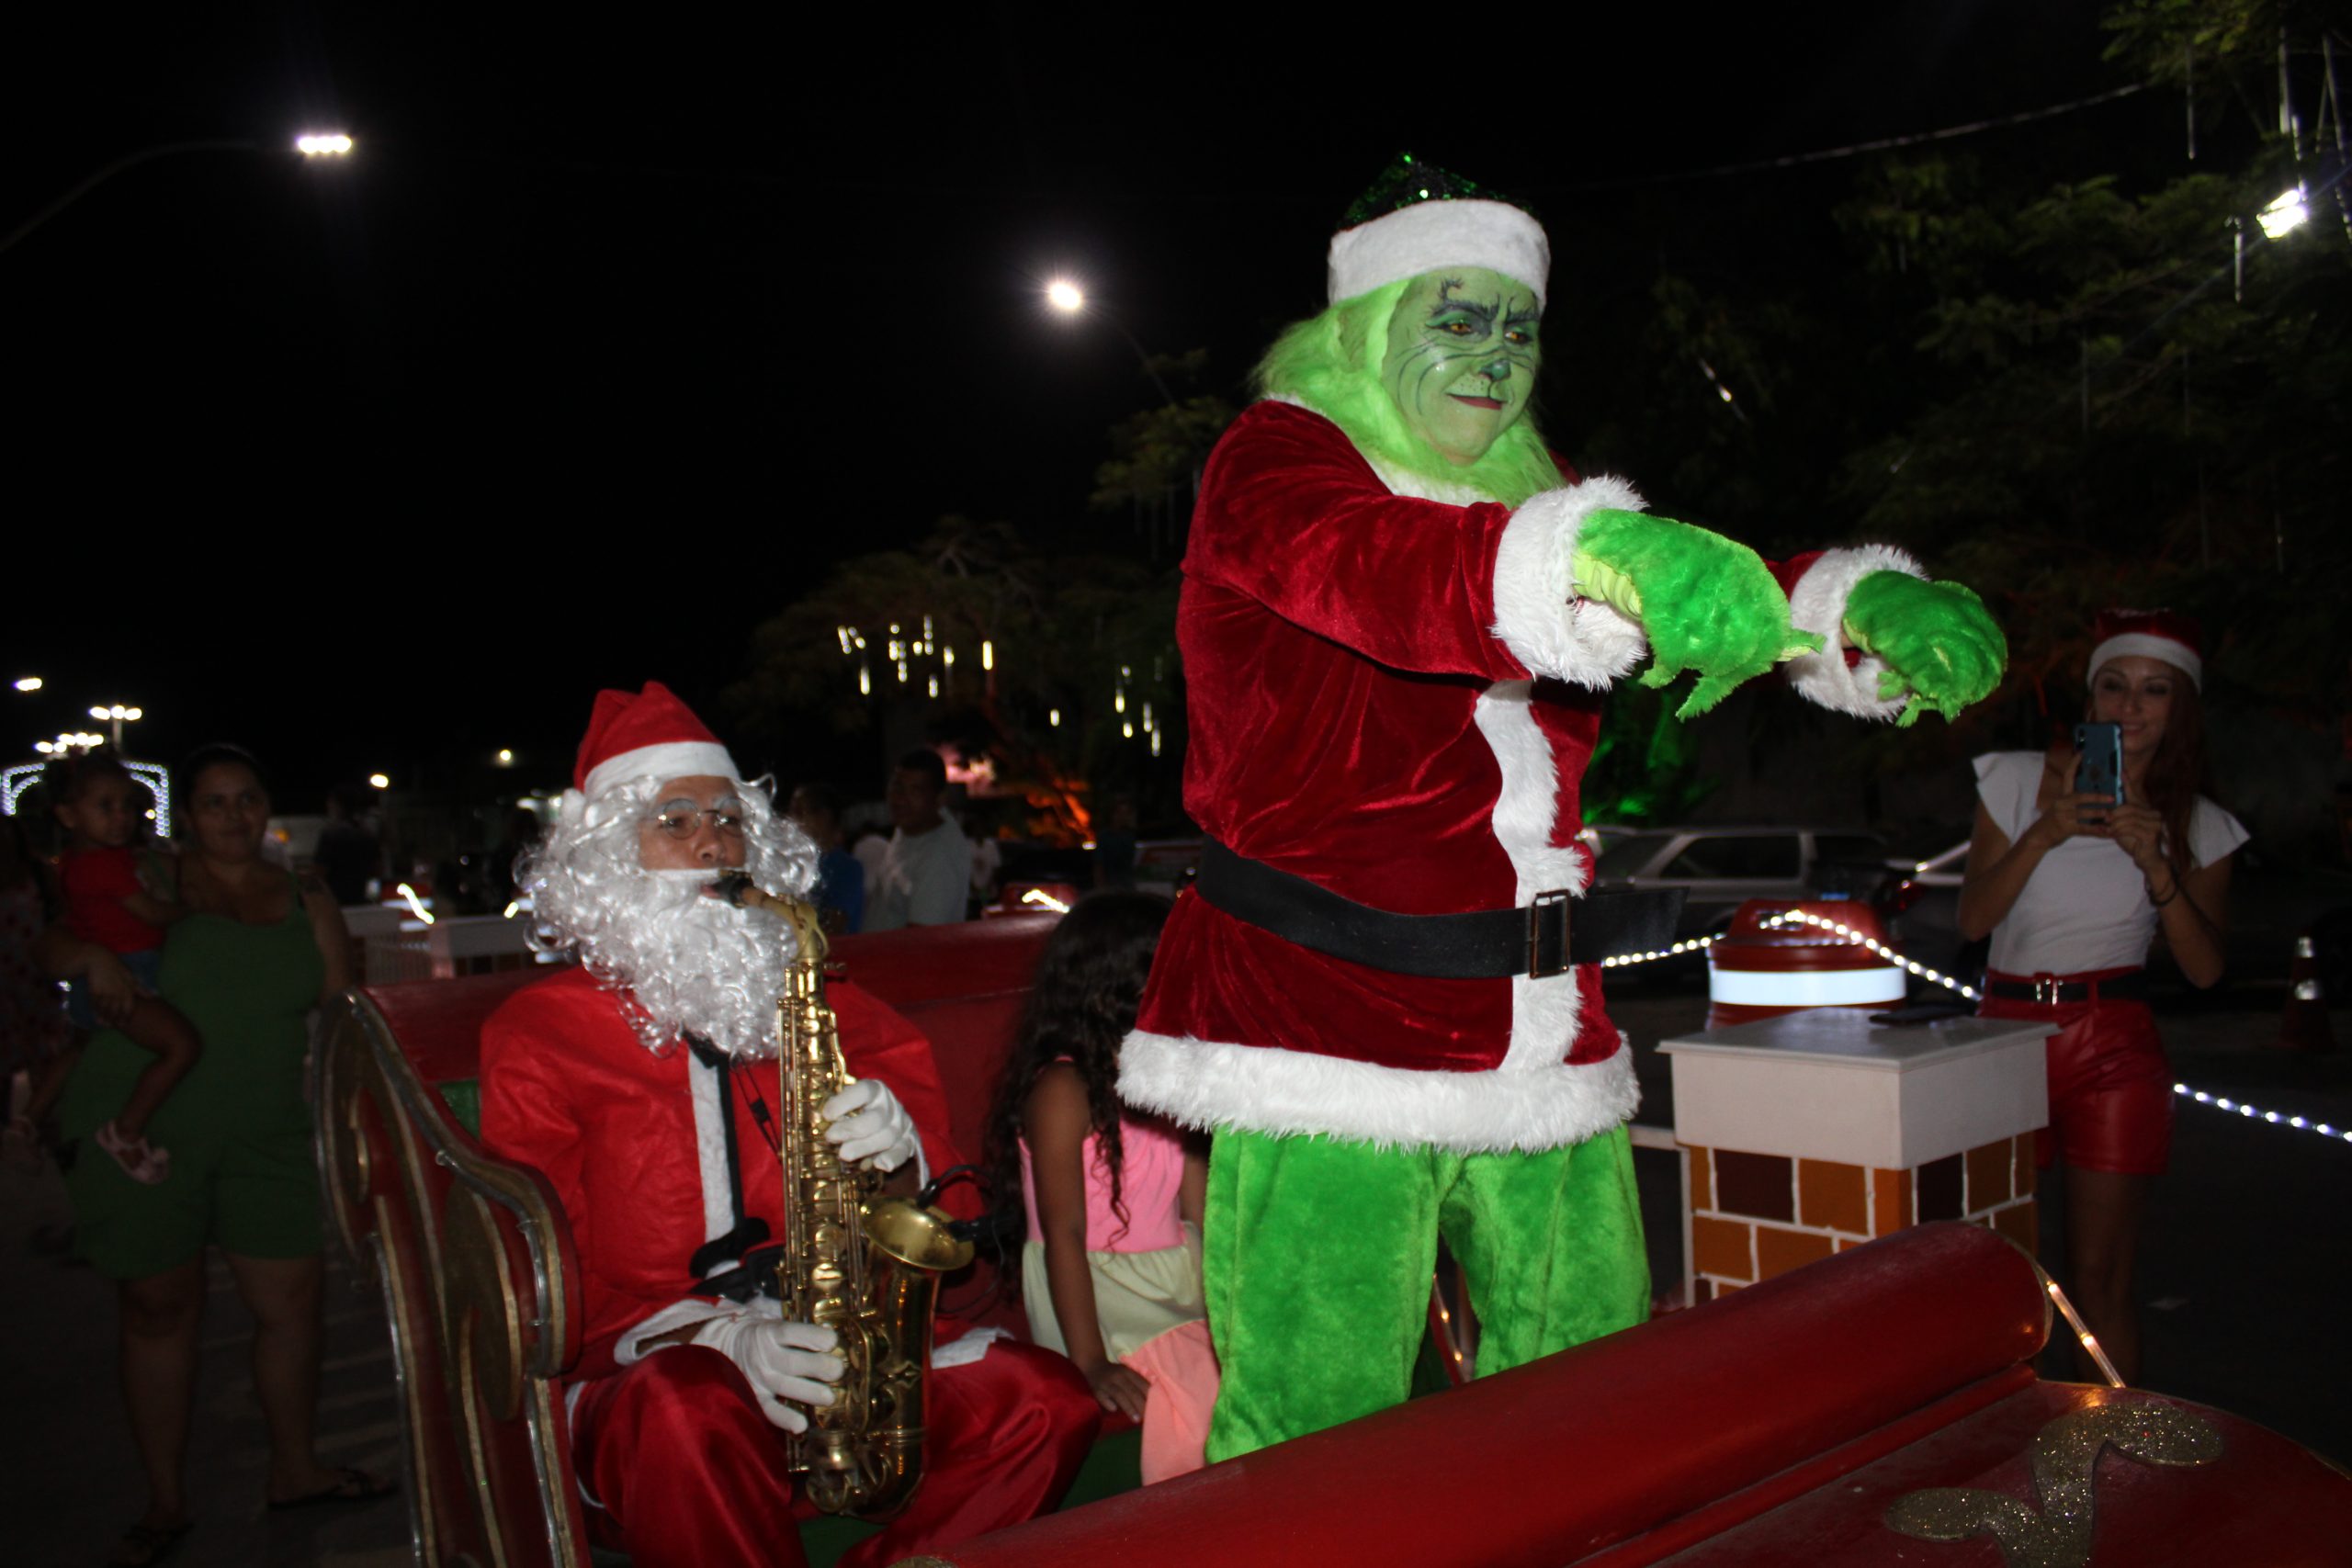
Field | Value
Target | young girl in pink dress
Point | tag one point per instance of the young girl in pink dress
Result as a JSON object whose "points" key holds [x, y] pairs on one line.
{"points": [[1112, 1271]]}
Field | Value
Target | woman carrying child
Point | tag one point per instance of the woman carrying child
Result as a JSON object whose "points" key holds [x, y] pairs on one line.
{"points": [[1112, 1272]]}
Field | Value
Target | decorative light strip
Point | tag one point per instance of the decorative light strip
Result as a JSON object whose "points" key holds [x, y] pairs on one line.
{"points": [[1880, 948], [415, 905], [2082, 1330], [1696, 944], [2277, 1119]]}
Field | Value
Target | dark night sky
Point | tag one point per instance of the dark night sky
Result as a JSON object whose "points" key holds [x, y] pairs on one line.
{"points": [[618, 330]]}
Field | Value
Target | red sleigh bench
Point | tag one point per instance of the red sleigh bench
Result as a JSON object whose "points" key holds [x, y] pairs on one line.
{"points": [[475, 1256], [1879, 1406]]}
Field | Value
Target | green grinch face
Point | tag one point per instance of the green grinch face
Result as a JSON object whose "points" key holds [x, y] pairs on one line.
{"points": [[1461, 358]]}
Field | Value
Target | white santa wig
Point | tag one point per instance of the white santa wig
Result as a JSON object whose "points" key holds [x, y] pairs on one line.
{"points": [[683, 962]]}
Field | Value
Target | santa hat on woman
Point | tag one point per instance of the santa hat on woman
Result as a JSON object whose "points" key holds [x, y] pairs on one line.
{"points": [[2164, 635], [650, 734]]}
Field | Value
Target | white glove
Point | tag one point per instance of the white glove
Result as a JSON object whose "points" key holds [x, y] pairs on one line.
{"points": [[783, 1360], [870, 1125]]}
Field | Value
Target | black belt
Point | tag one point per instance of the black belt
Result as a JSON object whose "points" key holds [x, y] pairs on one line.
{"points": [[2050, 990], [1486, 945]]}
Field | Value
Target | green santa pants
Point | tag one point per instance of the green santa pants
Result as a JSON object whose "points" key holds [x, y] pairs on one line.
{"points": [[1319, 1252]]}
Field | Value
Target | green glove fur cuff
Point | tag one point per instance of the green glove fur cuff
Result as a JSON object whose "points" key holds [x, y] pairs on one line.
{"points": [[1707, 603], [1938, 640]]}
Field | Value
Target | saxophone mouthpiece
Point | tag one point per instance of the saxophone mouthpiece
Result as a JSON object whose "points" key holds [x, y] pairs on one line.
{"points": [[736, 888]]}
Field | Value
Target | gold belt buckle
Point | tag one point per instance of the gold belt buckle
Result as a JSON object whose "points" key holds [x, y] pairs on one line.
{"points": [[1535, 967]]}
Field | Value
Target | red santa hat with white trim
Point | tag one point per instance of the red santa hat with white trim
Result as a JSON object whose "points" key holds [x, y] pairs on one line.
{"points": [[2164, 635], [1418, 218], [646, 735]]}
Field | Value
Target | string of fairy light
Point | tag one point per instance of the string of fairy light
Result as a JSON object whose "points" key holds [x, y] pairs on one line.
{"points": [[2286, 1120], [921, 657], [1800, 916]]}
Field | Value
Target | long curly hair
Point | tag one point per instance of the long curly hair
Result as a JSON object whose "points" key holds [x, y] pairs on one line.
{"points": [[1089, 981]]}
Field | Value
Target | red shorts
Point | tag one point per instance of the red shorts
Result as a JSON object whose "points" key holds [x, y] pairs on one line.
{"points": [[2110, 1087]]}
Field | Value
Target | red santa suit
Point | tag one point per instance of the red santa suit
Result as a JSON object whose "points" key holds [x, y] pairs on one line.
{"points": [[669, 1447], [1394, 693]]}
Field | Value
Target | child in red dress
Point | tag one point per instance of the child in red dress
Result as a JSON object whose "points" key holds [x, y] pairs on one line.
{"points": [[100, 806]]}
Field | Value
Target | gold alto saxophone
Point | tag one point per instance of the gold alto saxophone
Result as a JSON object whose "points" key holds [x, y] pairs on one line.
{"points": [[866, 1266]]}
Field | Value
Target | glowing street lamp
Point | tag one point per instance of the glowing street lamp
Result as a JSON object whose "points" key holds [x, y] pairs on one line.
{"points": [[29, 683], [313, 145], [65, 745], [1070, 300], [119, 716], [379, 781], [2286, 213]]}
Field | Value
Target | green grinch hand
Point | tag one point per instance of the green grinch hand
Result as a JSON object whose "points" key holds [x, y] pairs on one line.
{"points": [[1938, 640], [1706, 603]]}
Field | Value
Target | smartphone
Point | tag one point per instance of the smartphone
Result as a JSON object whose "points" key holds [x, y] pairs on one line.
{"points": [[2099, 769]]}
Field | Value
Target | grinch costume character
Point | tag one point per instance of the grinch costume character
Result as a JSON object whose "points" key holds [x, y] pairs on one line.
{"points": [[1399, 613]]}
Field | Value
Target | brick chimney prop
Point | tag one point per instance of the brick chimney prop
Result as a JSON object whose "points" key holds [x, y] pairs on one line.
{"points": [[1810, 1130]]}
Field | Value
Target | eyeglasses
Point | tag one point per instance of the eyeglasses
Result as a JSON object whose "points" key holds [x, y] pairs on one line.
{"points": [[683, 818]]}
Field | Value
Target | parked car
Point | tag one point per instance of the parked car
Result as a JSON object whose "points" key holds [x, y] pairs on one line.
{"points": [[1919, 902], [1720, 868]]}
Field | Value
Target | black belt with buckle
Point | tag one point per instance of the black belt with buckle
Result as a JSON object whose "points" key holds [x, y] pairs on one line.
{"points": [[2051, 990], [1537, 940]]}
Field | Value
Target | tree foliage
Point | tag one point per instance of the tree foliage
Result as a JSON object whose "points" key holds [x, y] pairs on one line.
{"points": [[1060, 630]]}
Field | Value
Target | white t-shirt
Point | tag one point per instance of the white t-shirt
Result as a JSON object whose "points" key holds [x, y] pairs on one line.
{"points": [[2085, 907], [925, 879]]}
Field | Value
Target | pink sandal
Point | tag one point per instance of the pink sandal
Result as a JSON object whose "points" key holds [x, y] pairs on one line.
{"points": [[141, 1160]]}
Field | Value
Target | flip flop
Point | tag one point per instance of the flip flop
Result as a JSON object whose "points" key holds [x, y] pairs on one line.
{"points": [[356, 1487], [142, 1546]]}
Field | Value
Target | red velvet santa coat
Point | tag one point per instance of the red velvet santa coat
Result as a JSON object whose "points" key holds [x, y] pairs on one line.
{"points": [[631, 1143], [1393, 694]]}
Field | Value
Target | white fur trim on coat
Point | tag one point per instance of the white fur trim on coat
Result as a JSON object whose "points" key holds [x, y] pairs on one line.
{"points": [[1432, 235], [1543, 1012], [1537, 613], [1210, 1084], [1819, 604]]}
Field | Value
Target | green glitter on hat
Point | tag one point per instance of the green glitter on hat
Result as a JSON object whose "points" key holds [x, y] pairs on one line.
{"points": [[1409, 181]]}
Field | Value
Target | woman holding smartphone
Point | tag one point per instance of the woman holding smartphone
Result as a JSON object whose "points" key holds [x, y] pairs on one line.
{"points": [[2073, 882]]}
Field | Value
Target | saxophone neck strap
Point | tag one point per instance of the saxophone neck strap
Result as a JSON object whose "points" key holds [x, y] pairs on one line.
{"points": [[726, 1265]]}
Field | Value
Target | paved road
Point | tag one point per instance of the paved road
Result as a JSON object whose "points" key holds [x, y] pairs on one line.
{"points": [[65, 1451], [2244, 1278]]}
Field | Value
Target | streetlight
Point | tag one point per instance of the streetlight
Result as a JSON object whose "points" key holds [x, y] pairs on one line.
{"points": [[29, 683], [78, 740], [1070, 300], [2284, 213], [120, 716], [310, 145], [379, 781]]}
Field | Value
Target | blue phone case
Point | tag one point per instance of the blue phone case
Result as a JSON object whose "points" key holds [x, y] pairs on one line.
{"points": [[2099, 769]]}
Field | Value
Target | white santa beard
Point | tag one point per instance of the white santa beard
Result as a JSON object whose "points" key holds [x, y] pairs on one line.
{"points": [[694, 965]]}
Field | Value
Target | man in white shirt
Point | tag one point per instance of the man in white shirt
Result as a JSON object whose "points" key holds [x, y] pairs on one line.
{"points": [[927, 871]]}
